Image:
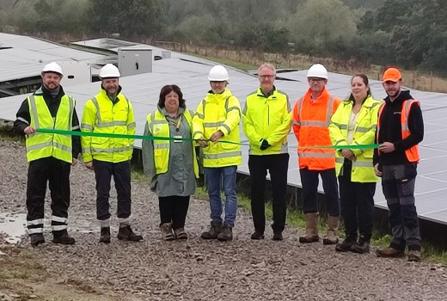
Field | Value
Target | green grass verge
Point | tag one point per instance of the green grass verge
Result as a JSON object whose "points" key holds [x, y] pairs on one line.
{"points": [[228, 62]]}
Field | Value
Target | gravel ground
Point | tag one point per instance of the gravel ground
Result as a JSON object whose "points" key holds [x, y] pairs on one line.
{"points": [[201, 270]]}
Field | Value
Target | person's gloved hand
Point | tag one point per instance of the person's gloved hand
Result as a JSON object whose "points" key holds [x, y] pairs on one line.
{"points": [[264, 144]]}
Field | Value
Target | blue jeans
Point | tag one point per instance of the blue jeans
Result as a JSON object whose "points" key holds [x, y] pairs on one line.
{"points": [[215, 179]]}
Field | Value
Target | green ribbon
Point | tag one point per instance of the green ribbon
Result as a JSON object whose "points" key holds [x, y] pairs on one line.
{"points": [[149, 137]]}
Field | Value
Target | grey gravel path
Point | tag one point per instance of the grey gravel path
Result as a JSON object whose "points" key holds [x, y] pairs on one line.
{"points": [[201, 270]]}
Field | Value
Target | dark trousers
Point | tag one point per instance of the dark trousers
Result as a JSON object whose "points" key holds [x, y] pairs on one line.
{"points": [[57, 174], [277, 166], [309, 180], [357, 206], [121, 176], [173, 210], [398, 187]]}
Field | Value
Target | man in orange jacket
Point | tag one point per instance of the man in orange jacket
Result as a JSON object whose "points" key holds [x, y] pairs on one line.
{"points": [[311, 116]]}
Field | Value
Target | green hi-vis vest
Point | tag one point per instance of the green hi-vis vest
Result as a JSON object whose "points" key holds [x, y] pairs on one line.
{"points": [[159, 127], [42, 145]]}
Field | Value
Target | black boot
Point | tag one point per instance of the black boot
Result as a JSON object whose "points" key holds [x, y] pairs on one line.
{"points": [[346, 245], [105, 235], [36, 239], [62, 237], [362, 246], [126, 233]]}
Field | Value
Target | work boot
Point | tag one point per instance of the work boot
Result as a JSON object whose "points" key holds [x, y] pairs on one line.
{"points": [[36, 239], [389, 252], [62, 237], [361, 247], [257, 235], [331, 237], [214, 230], [166, 231], [226, 233], [311, 228], [277, 236], [126, 233], [346, 245], [414, 255], [105, 235], [180, 233]]}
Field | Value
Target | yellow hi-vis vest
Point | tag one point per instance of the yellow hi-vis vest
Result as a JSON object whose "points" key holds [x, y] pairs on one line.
{"points": [[159, 127], [42, 145], [102, 116], [219, 112], [364, 133]]}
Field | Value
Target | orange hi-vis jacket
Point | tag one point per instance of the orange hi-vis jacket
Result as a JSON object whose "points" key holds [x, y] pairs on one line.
{"points": [[412, 153], [311, 118]]}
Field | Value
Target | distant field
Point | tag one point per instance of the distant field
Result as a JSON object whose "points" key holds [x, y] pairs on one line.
{"points": [[249, 59]]}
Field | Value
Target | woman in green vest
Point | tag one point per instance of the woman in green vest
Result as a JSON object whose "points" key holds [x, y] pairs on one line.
{"points": [[354, 123], [171, 163]]}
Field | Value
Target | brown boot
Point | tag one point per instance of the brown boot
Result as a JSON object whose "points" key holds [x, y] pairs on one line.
{"points": [[389, 252], [213, 231], [414, 255], [226, 234], [180, 233], [166, 232], [331, 237], [311, 228]]}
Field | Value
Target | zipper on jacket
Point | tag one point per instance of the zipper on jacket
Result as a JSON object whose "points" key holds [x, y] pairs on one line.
{"points": [[268, 114]]}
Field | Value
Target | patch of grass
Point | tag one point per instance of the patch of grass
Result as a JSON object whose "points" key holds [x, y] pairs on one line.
{"points": [[228, 62], [139, 176], [433, 254]]}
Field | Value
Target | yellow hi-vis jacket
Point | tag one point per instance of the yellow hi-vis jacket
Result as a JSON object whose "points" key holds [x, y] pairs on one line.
{"points": [[41, 145], [102, 116], [267, 118], [159, 126], [219, 112], [364, 133]]}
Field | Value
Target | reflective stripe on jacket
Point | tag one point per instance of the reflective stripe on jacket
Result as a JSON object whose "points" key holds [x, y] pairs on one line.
{"points": [[311, 119], [101, 115], [159, 126], [411, 153], [42, 145], [267, 118], [364, 133], [219, 112]]}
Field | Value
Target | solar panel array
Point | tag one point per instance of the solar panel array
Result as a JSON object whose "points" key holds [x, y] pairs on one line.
{"points": [[190, 74]]}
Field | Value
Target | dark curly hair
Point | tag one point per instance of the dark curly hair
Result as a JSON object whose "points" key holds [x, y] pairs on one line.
{"points": [[168, 89]]}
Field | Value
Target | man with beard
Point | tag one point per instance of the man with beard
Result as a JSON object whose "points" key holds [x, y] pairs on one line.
{"points": [[110, 112], [50, 156], [400, 128]]}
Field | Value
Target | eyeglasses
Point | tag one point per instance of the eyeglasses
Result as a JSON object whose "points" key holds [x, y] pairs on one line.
{"points": [[266, 76], [316, 79]]}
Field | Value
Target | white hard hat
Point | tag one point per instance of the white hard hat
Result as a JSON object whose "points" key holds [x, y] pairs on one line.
{"points": [[109, 70], [317, 70], [218, 73], [53, 67]]}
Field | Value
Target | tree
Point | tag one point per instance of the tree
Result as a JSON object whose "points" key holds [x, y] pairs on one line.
{"points": [[321, 22], [127, 17]]}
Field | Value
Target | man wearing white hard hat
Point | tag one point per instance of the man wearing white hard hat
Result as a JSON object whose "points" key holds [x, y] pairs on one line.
{"points": [[311, 116], [217, 118], [110, 112], [50, 156]]}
